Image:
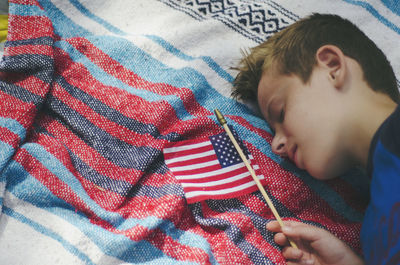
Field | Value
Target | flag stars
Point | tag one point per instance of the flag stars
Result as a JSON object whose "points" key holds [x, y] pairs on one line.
{"points": [[225, 151]]}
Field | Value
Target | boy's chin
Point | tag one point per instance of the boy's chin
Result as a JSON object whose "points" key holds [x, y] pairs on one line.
{"points": [[326, 174], [329, 169], [324, 177]]}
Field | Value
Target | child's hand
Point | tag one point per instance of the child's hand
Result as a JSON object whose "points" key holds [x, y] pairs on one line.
{"points": [[316, 246]]}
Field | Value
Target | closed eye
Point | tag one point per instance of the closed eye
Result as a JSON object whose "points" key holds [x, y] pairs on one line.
{"points": [[282, 115]]}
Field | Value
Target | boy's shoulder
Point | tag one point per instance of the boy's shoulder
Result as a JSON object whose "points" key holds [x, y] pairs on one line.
{"points": [[380, 234], [388, 135]]}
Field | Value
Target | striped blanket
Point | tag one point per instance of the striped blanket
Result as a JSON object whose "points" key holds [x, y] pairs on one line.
{"points": [[95, 94]]}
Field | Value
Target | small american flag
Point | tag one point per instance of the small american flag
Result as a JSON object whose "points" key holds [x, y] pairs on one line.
{"points": [[211, 168]]}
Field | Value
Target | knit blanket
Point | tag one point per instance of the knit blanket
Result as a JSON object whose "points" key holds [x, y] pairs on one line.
{"points": [[100, 100]]}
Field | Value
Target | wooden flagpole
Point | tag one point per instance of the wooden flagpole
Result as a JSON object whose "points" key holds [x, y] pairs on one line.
{"points": [[224, 124]]}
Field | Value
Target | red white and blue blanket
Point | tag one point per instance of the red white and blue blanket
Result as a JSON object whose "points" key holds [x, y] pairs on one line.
{"points": [[98, 99]]}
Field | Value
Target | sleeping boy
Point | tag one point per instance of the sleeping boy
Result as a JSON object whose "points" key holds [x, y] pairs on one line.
{"points": [[330, 95]]}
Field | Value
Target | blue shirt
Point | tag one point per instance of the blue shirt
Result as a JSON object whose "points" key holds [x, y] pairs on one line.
{"points": [[380, 233]]}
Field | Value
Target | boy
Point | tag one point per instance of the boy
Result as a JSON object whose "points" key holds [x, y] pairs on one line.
{"points": [[331, 97]]}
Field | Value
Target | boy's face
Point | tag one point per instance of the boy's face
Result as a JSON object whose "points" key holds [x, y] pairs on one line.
{"points": [[307, 120]]}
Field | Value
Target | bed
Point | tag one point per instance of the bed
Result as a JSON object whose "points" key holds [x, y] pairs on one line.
{"points": [[92, 93]]}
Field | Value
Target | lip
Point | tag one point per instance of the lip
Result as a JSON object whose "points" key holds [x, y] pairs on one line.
{"points": [[293, 155], [295, 158]]}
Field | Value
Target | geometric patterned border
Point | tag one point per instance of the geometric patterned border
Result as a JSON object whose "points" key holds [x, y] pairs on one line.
{"points": [[256, 20]]}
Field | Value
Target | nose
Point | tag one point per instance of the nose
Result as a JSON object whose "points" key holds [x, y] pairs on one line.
{"points": [[279, 144]]}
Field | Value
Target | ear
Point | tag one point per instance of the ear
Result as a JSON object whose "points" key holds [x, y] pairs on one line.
{"points": [[332, 59]]}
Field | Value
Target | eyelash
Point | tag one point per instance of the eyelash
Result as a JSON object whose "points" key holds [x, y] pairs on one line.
{"points": [[282, 115]]}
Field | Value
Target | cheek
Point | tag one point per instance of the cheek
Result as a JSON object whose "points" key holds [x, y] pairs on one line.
{"points": [[323, 160], [298, 127], [300, 119], [316, 139]]}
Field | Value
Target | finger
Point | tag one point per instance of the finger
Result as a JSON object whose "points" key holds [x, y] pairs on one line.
{"points": [[301, 262], [274, 226], [281, 239], [296, 256], [293, 254], [303, 231]]}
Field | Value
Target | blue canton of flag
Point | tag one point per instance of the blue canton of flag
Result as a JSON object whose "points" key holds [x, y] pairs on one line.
{"points": [[225, 150]]}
